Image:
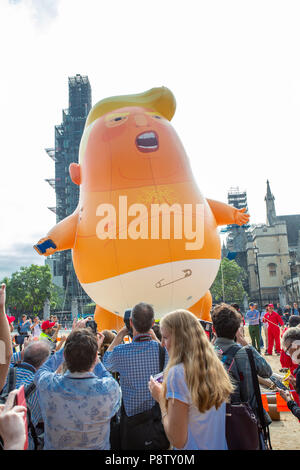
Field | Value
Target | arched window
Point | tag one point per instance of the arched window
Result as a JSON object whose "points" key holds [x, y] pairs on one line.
{"points": [[272, 269]]}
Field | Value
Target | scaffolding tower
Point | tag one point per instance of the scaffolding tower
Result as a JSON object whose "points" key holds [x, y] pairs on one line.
{"points": [[237, 236], [67, 140]]}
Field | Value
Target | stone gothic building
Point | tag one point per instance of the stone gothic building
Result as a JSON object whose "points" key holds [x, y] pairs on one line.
{"points": [[273, 257]]}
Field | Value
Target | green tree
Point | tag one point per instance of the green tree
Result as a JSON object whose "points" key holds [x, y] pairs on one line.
{"points": [[57, 300], [228, 285], [28, 288]]}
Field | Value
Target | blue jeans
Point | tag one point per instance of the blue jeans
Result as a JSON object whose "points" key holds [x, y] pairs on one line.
{"points": [[261, 338]]}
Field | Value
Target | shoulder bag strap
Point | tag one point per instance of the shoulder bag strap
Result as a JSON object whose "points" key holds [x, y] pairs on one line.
{"points": [[29, 389], [161, 358], [11, 379], [32, 429], [258, 396]]}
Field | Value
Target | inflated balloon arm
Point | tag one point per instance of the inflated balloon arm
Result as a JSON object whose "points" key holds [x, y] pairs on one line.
{"points": [[61, 236], [226, 214], [75, 173]]}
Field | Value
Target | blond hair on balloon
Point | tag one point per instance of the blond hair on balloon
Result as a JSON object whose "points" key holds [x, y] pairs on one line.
{"points": [[159, 99]]}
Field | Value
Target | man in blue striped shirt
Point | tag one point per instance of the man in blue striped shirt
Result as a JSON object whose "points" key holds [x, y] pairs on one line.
{"points": [[136, 361]]}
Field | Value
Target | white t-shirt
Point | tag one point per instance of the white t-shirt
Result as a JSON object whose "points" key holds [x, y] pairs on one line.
{"points": [[36, 330], [206, 431]]}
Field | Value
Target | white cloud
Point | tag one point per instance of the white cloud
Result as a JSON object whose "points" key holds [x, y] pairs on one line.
{"points": [[42, 11], [18, 255]]}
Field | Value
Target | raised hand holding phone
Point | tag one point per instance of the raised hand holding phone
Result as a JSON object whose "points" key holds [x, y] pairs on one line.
{"points": [[155, 389], [13, 428], [20, 400], [159, 377]]}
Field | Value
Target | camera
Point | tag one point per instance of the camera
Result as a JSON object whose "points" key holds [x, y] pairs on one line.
{"points": [[208, 328], [92, 324], [127, 316]]}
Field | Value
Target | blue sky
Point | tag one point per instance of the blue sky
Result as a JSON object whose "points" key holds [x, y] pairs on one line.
{"points": [[233, 67]]}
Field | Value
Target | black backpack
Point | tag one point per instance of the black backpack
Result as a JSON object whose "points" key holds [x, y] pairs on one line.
{"points": [[227, 359], [229, 363]]}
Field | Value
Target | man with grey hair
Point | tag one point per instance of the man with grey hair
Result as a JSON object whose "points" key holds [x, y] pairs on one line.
{"points": [[36, 353], [291, 347], [25, 364]]}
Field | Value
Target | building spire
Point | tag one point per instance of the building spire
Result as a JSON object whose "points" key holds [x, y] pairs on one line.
{"points": [[269, 194], [270, 206]]}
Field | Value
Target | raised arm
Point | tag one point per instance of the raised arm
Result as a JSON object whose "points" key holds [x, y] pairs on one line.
{"points": [[5, 340], [62, 235], [226, 214]]}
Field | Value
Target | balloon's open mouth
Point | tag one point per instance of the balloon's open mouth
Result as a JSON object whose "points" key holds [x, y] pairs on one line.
{"points": [[147, 142]]}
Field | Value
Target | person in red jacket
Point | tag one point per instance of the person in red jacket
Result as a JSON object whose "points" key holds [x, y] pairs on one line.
{"points": [[274, 321]]}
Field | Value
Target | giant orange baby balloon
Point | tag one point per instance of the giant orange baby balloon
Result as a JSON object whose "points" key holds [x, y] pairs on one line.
{"points": [[142, 230]]}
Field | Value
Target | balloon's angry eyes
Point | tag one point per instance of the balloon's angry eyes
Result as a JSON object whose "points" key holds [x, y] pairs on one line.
{"points": [[114, 120], [147, 141]]}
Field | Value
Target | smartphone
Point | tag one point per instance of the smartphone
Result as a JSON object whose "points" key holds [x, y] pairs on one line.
{"points": [[41, 248], [21, 401], [159, 377], [92, 324], [207, 325], [278, 383]]}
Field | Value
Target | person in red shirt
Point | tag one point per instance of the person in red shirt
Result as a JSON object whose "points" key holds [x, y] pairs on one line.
{"points": [[274, 321], [10, 322]]}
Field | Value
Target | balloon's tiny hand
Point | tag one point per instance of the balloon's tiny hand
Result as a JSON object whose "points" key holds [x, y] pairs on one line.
{"points": [[240, 217], [45, 251]]}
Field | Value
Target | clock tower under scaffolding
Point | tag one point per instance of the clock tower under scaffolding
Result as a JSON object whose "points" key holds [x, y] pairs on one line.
{"points": [[67, 139]]}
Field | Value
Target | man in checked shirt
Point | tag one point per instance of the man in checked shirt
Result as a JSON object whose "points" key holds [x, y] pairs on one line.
{"points": [[136, 361]]}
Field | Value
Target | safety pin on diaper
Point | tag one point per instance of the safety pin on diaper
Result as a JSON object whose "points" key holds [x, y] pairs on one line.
{"points": [[187, 273]]}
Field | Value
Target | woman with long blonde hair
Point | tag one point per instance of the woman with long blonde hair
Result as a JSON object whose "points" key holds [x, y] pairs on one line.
{"points": [[195, 386]]}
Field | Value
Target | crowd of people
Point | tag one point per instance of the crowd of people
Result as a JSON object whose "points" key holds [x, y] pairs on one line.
{"points": [[33, 326], [147, 386]]}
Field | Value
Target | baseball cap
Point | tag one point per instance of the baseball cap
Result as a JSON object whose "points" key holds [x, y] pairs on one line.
{"points": [[10, 319], [251, 304], [47, 324], [271, 305]]}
